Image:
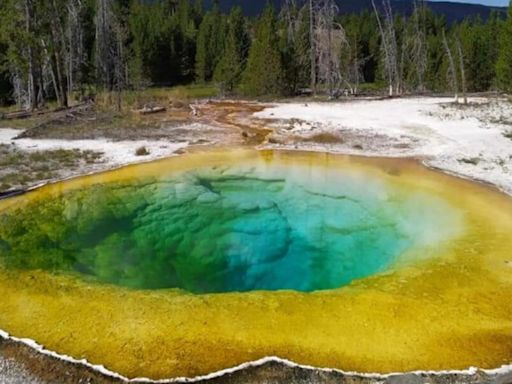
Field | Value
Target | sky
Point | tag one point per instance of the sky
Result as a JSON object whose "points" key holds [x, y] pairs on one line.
{"points": [[485, 2]]}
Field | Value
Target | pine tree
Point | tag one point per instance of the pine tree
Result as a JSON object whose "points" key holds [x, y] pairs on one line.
{"points": [[264, 72], [202, 49], [210, 44], [228, 71], [295, 46], [437, 60], [198, 11], [504, 66], [186, 39], [5, 85], [479, 52]]}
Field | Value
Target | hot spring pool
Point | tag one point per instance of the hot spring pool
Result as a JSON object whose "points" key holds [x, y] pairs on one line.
{"points": [[227, 228], [326, 260]]}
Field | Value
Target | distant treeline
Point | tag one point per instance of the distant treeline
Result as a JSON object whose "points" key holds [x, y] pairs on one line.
{"points": [[453, 11], [67, 49]]}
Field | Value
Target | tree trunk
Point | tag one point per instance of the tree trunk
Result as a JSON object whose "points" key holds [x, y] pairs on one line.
{"points": [[452, 69], [51, 70], [57, 34], [420, 43], [330, 69], [386, 48], [462, 71], [32, 77], [313, 46]]}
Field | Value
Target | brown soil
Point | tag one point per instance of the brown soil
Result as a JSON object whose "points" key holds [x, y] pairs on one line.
{"points": [[227, 119]]}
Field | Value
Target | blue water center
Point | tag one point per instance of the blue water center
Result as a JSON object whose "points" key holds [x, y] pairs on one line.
{"points": [[224, 229]]}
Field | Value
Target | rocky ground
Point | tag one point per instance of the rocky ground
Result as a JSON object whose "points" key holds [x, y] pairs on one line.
{"points": [[473, 141]]}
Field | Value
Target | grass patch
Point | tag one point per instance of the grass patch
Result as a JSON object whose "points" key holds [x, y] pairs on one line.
{"points": [[136, 99], [376, 87], [508, 135], [101, 119], [20, 169], [196, 91]]}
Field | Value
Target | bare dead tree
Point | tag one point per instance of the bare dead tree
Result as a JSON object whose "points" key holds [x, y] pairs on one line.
{"points": [[412, 64], [48, 70], [312, 8], [20, 89], [120, 69], [57, 37], [288, 13], [42, 51], [389, 23], [325, 38], [32, 86], [351, 71], [352, 64], [103, 43], [402, 64], [418, 45], [329, 39], [452, 69], [462, 69], [295, 16], [62, 38], [385, 48], [75, 55], [110, 60], [354, 75], [389, 45]]}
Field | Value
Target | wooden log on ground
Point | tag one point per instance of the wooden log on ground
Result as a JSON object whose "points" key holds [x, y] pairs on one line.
{"points": [[18, 115], [150, 110], [22, 114]]}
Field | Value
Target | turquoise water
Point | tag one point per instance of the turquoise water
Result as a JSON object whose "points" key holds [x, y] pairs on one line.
{"points": [[223, 229]]}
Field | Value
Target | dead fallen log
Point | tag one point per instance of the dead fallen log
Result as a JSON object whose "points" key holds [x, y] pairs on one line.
{"points": [[19, 115], [11, 193], [150, 110], [22, 114]]}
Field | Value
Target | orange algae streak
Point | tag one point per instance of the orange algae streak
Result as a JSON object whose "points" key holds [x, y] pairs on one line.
{"points": [[450, 310]]}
